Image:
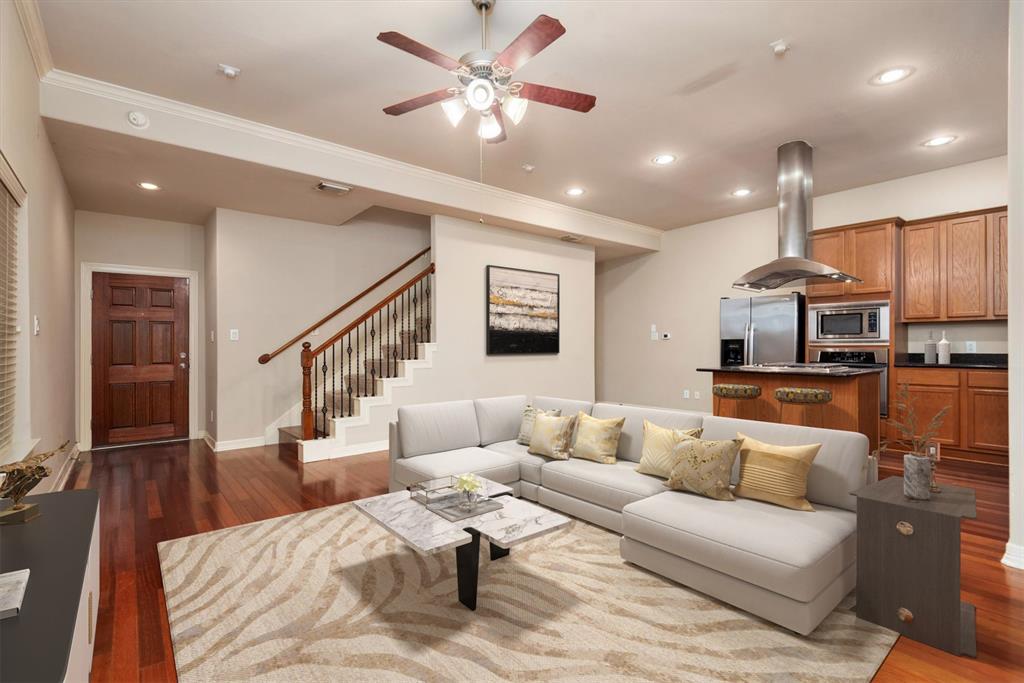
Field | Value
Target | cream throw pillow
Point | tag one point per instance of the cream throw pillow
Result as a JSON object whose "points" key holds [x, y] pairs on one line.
{"points": [[659, 442], [775, 474], [597, 439], [704, 467], [552, 436], [526, 426]]}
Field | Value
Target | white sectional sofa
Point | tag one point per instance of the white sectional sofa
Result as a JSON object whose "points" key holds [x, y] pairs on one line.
{"points": [[787, 566]]}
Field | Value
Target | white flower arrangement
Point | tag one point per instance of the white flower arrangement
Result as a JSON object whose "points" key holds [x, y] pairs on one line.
{"points": [[468, 483]]}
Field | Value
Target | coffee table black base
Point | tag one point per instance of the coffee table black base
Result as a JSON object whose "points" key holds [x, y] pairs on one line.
{"points": [[467, 566]]}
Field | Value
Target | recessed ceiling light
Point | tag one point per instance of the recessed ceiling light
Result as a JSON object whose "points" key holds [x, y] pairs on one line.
{"points": [[892, 75], [146, 185], [939, 141], [741, 192], [575, 191], [663, 159]]}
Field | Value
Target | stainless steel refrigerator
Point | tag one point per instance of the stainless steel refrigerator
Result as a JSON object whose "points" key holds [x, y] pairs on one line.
{"points": [[762, 329]]}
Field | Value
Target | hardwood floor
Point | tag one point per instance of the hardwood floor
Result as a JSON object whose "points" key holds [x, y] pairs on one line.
{"points": [[152, 493]]}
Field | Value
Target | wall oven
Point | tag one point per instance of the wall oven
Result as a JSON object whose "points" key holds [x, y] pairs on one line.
{"points": [[861, 358], [861, 322]]}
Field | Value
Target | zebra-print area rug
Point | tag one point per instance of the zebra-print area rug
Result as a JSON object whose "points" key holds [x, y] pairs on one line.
{"points": [[327, 595]]}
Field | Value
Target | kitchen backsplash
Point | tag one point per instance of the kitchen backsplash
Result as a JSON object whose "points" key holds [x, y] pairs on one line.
{"points": [[990, 337]]}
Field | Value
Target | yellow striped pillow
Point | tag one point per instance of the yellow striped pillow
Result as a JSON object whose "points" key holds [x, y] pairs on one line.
{"points": [[775, 474]]}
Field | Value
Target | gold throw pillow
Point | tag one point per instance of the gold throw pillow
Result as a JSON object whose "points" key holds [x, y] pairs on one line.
{"points": [[775, 474], [597, 439], [704, 467], [552, 436], [529, 416], [659, 442]]}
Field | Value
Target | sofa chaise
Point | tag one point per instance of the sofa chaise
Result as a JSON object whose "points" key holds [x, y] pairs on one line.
{"points": [[788, 566]]}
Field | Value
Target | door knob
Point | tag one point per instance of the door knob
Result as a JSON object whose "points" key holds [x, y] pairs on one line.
{"points": [[183, 355], [182, 365]]}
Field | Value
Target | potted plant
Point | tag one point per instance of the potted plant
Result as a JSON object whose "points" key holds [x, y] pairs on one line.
{"points": [[469, 485], [918, 466]]}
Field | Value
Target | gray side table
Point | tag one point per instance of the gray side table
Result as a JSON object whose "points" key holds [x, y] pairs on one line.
{"points": [[908, 564]]}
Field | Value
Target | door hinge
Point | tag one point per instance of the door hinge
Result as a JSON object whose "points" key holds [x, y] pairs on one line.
{"points": [[92, 292]]}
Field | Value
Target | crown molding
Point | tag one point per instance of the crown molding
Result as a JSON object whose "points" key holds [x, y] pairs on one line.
{"points": [[133, 99], [10, 180], [35, 35]]}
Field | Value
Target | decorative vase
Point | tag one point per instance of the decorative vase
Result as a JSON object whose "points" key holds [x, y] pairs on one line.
{"points": [[917, 476], [469, 501]]}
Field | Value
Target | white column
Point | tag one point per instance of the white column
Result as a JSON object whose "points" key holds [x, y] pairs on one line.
{"points": [[1014, 556]]}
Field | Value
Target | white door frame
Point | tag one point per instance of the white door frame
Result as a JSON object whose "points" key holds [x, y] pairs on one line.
{"points": [[85, 345]]}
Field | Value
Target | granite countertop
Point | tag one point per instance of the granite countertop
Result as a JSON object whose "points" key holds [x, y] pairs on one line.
{"points": [[962, 361], [846, 372]]}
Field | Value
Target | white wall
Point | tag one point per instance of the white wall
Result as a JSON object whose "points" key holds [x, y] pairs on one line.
{"points": [[678, 288]]}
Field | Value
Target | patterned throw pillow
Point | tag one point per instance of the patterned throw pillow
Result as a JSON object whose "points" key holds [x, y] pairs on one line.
{"points": [[659, 442], [704, 467], [552, 436], [775, 474], [526, 426], [597, 439]]}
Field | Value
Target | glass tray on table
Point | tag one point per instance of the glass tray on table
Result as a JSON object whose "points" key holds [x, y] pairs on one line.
{"points": [[442, 498]]}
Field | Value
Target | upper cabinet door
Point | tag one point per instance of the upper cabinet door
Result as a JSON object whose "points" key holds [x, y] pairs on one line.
{"points": [[922, 268], [966, 268], [830, 249], [1000, 300], [869, 257]]}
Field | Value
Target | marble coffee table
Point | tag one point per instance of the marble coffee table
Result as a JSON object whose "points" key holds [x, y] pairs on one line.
{"points": [[428, 533]]}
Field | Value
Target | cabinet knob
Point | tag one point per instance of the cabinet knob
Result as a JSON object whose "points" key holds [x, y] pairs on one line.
{"points": [[905, 528], [905, 615]]}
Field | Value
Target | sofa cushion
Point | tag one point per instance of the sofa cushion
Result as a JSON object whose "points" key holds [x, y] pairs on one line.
{"points": [[498, 419], [499, 467], [529, 464], [610, 486], [632, 439], [568, 406], [552, 436], [703, 467], [786, 551], [840, 467], [597, 440], [434, 427]]}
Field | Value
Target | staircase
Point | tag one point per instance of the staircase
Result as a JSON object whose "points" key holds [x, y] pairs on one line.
{"points": [[349, 381]]}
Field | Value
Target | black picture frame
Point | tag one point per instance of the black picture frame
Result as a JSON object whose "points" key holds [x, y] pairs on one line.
{"points": [[505, 342]]}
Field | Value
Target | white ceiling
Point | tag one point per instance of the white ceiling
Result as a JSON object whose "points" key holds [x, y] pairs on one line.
{"points": [[693, 78]]}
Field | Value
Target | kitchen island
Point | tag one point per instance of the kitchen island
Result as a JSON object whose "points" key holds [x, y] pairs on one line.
{"points": [[854, 407]]}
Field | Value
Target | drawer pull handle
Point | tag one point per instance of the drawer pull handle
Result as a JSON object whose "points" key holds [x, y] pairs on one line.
{"points": [[905, 615], [905, 528]]}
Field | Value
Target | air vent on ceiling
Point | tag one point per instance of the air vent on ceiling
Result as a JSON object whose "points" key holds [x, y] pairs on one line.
{"points": [[332, 187]]}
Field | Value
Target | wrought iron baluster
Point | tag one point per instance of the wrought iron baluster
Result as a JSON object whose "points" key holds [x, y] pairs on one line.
{"points": [[323, 409], [365, 393], [430, 336], [348, 383], [334, 390], [316, 398]]}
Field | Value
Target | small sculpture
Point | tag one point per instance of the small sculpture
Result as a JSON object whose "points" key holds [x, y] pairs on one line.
{"points": [[20, 478]]}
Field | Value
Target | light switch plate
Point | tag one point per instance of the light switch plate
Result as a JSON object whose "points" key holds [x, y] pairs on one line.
{"points": [[696, 395], [233, 335]]}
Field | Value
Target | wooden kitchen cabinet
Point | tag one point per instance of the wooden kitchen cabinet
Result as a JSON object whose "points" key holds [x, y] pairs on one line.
{"points": [[828, 248], [986, 417], [954, 268], [865, 251]]}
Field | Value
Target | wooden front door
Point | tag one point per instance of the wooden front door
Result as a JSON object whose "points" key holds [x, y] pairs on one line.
{"points": [[139, 358]]}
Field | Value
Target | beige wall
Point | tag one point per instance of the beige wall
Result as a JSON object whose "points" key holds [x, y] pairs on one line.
{"points": [[678, 288], [274, 277], [990, 336], [48, 268], [103, 238]]}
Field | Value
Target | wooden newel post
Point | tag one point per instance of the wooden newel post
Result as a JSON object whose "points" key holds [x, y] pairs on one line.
{"points": [[307, 392]]}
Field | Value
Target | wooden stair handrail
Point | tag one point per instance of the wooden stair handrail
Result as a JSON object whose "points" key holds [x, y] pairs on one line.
{"points": [[366, 316], [267, 357]]}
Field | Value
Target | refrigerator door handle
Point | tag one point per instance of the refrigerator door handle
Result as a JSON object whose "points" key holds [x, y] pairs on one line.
{"points": [[746, 344], [750, 344]]}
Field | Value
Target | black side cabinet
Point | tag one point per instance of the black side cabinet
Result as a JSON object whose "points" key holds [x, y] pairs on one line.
{"points": [[908, 564]]}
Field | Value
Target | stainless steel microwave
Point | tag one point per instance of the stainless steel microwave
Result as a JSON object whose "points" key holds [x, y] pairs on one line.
{"points": [[861, 322]]}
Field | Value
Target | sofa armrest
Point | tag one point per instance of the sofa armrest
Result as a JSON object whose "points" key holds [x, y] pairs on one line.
{"points": [[394, 454]]}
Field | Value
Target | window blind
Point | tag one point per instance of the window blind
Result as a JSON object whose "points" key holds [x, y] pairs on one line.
{"points": [[8, 314]]}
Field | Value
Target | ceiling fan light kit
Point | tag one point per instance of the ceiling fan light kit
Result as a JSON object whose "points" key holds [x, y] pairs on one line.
{"points": [[486, 78]]}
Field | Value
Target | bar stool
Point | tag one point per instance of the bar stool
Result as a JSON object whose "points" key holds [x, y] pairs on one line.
{"points": [[802, 405], [736, 400]]}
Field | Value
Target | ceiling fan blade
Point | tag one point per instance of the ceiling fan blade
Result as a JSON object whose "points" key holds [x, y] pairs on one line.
{"points": [[403, 42], [417, 102], [496, 113], [557, 97], [542, 32]]}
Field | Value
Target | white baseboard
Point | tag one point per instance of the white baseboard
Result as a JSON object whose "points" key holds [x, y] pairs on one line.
{"points": [[328, 449], [233, 444], [1014, 556]]}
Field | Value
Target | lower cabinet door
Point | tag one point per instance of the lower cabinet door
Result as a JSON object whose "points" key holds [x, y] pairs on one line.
{"points": [[987, 419]]}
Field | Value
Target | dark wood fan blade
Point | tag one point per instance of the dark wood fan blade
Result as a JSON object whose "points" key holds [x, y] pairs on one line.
{"points": [[409, 45], [496, 113], [557, 97], [417, 102], [542, 32]]}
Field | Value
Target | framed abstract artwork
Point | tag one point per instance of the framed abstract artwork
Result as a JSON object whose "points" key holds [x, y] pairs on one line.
{"points": [[522, 311]]}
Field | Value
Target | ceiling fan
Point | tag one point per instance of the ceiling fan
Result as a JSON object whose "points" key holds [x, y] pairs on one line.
{"points": [[486, 78]]}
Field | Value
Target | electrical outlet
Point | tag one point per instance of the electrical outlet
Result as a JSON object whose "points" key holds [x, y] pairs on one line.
{"points": [[686, 393], [233, 335], [654, 332], [211, 417], [211, 336], [696, 395], [972, 347]]}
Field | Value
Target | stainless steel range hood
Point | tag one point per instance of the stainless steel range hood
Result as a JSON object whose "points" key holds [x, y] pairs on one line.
{"points": [[796, 190]]}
